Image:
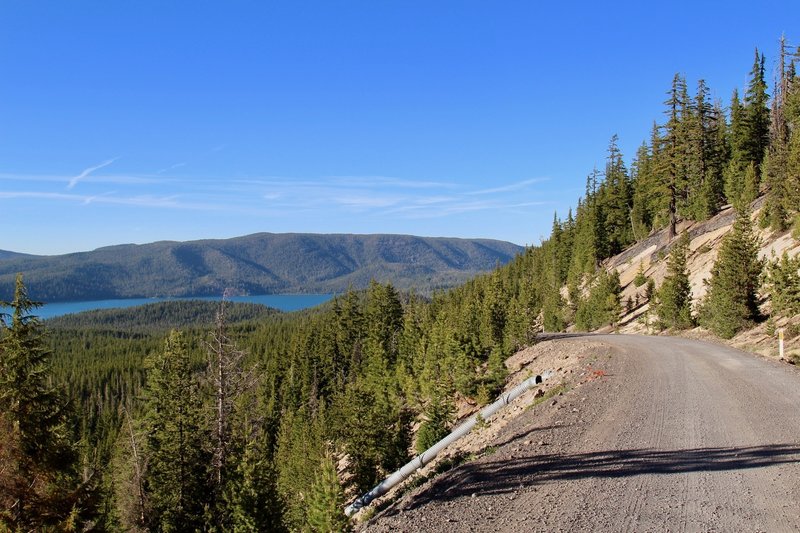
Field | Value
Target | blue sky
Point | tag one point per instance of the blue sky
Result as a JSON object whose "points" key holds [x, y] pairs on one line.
{"points": [[143, 121]]}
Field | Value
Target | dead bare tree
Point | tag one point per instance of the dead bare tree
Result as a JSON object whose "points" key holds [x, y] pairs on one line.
{"points": [[138, 470], [230, 380]]}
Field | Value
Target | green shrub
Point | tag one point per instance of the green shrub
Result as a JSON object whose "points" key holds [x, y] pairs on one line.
{"points": [[439, 417], [782, 282], [640, 278], [602, 307], [675, 295]]}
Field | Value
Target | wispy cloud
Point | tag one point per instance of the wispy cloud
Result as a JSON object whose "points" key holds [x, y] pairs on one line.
{"points": [[54, 178], [280, 196], [367, 201], [144, 200], [386, 181], [171, 167], [89, 199], [381, 195], [510, 187], [40, 195], [74, 181]]}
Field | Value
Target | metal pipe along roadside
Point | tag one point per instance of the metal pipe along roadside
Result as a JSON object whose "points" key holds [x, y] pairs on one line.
{"points": [[425, 457]]}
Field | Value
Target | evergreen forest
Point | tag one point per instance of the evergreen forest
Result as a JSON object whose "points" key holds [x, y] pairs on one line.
{"points": [[177, 419]]}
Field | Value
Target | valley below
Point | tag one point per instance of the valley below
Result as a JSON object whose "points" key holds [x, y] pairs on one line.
{"points": [[650, 433]]}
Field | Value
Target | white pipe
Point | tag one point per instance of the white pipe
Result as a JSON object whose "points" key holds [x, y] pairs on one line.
{"points": [[425, 457]]}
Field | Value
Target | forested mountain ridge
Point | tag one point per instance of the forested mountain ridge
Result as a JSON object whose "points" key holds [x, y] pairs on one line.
{"points": [[6, 254], [262, 263]]}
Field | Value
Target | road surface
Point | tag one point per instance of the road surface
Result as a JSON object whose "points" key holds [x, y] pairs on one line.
{"points": [[673, 435]]}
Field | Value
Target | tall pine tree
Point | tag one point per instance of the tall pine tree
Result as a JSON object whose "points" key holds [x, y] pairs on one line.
{"points": [[40, 487], [731, 303], [675, 296], [177, 475]]}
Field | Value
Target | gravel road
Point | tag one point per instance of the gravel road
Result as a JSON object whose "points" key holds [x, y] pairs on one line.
{"points": [[671, 435]]}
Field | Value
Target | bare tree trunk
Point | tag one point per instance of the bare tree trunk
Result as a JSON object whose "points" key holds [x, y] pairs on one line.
{"points": [[673, 217], [230, 381], [137, 467]]}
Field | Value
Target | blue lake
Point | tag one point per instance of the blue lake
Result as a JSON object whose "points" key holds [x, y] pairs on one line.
{"points": [[284, 302]]}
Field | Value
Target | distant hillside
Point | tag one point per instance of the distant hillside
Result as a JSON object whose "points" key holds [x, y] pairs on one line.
{"points": [[263, 263], [5, 254]]}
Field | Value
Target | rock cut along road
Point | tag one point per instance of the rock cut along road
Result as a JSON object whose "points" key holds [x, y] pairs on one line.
{"points": [[677, 435]]}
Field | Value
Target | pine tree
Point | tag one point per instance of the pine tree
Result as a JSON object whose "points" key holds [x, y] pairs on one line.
{"points": [[602, 306], [756, 115], [585, 245], [750, 130], [40, 486], [783, 285], [252, 500], [326, 501], [177, 460], [672, 155], [411, 348], [552, 309], [734, 170], [128, 468], [791, 188], [616, 200], [495, 303], [375, 430], [439, 415], [705, 156], [674, 296], [649, 189], [300, 448], [777, 159], [731, 303], [349, 330], [562, 238], [383, 318], [496, 372]]}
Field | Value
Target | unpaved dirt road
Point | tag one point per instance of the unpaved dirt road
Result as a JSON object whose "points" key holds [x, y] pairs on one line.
{"points": [[672, 435]]}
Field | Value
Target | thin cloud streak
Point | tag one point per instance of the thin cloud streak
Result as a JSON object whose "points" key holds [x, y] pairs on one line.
{"points": [[171, 167], [74, 181], [49, 178], [385, 181], [422, 210], [508, 188], [367, 201], [138, 201], [279, 197]]}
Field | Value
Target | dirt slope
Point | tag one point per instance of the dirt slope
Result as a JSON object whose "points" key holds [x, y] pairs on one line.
{"points": [[705, 239], [656, 433]]}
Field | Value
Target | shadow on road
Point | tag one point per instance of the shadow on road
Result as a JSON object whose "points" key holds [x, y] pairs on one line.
{"points": [[497, 477]]}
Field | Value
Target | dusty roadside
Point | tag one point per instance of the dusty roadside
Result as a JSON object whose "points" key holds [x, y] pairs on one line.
{"points": [[654, 433], [577, 360]]}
